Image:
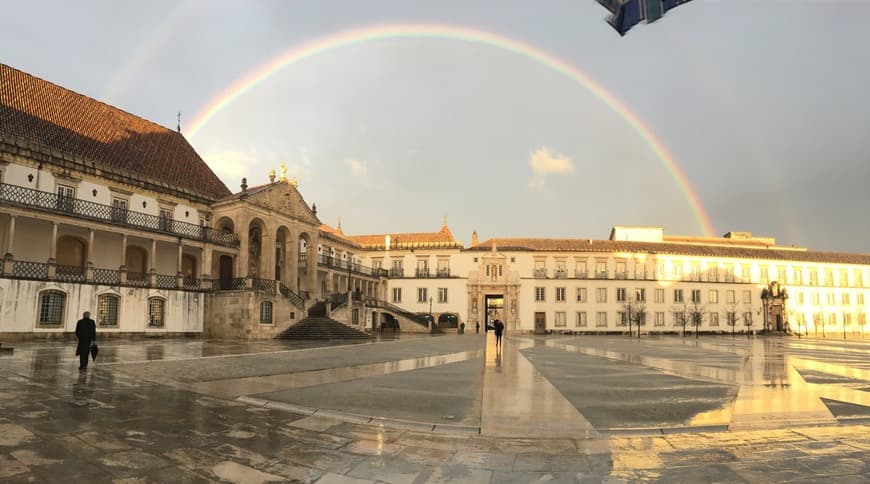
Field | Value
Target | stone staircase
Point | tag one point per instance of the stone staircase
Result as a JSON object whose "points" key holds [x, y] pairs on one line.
{"points": [[319, 327]]}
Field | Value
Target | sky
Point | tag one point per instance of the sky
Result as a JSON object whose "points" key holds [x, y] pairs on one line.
{"points": [[762, 105]]}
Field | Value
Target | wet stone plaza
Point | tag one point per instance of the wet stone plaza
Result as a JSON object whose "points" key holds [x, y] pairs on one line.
{"points": [[449, 408]]}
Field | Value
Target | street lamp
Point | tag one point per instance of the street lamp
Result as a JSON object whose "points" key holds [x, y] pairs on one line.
{"points": [[430, 313]]}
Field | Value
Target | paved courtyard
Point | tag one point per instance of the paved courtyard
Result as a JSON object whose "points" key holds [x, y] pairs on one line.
{"points": [[440, 409]]}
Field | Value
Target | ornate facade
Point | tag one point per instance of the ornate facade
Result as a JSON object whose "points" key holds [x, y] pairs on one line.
{"points": [[101, 210]]}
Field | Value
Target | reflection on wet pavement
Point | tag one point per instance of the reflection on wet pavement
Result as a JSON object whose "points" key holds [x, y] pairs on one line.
{"points": [[130, 419]]}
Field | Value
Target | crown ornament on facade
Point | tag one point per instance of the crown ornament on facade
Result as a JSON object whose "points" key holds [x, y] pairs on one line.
{"points": [[272, 175], [284, 172]]}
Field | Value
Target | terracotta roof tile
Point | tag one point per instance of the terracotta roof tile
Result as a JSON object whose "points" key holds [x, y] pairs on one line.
{"points": [[441, 239], [696, 250], [44, 113]]}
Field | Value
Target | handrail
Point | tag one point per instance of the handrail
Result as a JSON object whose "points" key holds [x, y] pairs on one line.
{"points": [[15, 195]]}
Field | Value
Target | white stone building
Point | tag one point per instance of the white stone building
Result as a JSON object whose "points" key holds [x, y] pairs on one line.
{"points": [[106, 212]]}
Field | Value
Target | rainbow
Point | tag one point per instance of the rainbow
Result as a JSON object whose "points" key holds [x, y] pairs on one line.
{"points": [[436, 31]]}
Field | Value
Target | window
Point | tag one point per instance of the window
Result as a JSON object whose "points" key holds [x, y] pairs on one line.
{"points": [[816, 298], [862, 319], [814, 277], [539, 294], [747, 318], [696, 272], [747, 297], [713, 296], [442, 294], [678, 295], [844, 278], [832, 319], [731, 318], [660, 295], [800, 298], [119, 210], [601, 294], [561, 320], [560, 294], [798, 275], [640, 295], [581, 294], [765, 274], [422, 268], [745, 277], [580, 269], [155, 312], [859, 299], [65, 197], [620, 294], [730, 297], [678, 271], [601, 319], [165, 219], [581, 319], [847, 319], [265, 312], [376, 263], [397, 294], [831, 299], [696, 295], [846, 299], [621, 318], [422, 294], [678, 318], [397, 268], [107, 310], [829, 277], [660, 319], [51, 308], [561, 270], [859, 278], [443, 267], [601, 269], [540, 268], [621, 273], [714, 319], [729, 274], [713, 274], [660, 271]]}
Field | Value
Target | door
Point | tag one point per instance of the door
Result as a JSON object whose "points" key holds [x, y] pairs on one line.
{"points": [[540, 323], [225, 272]]}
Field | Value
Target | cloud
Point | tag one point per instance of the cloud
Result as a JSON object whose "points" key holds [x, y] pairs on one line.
{"points": [[358, 168], [545, 161], [231, 165]]}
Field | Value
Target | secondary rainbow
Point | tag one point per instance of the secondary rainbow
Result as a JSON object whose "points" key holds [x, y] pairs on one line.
{"points": [[436, 31]]}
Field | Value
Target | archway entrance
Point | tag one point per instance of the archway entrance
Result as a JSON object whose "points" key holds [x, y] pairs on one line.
{"points": [[494, 304], [225, 272]]}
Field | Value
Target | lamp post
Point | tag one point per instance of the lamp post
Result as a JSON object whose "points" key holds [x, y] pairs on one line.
{"points": [[430, 314]]}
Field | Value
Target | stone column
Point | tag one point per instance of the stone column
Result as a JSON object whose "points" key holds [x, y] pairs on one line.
{"points": [[123, 268], [311, 272], [291, 262], [207, 255], [244, 249], [52, 253], [89, 271], [152, 264], [179, 274], [10, 236]]}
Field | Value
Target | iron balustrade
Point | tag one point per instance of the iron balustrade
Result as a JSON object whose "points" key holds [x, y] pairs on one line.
{"points": [[295, 299], [422, 272], [69, 273], [397, 272], [164, 281], [238, 284], [264, 285], [192, 284], [442, 272], [109, 277], [541, 273], [54, 203], [138, 279], [25, 269]]}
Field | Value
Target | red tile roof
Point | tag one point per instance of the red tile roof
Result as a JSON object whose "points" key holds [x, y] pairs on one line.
{"points": [[681, 248], [46, 114], [423, 240]]}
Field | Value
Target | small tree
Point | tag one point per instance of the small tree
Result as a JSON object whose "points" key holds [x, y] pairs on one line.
{"points": [[732, 319], [747, 321], [634, 309], [683, 315], [696, 316]]}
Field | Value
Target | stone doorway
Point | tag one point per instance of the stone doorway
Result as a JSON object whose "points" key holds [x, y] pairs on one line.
{"points": [[540, 323], [494, 304]]}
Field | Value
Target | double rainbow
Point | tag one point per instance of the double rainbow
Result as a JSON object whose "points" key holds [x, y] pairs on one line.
{"points": [[436, 31]]}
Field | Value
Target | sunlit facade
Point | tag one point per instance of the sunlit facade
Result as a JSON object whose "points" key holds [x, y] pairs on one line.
{"points": [[106, 212]]}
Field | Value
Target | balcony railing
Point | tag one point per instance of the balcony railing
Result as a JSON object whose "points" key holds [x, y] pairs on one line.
{"points": [[69, 273], [421, 272], [443, 272], [560, 274], [344, 265], [165, 281], [53, 203], [108, 277], [29, 270], [540, 273], [39, 271], [397, 272]]}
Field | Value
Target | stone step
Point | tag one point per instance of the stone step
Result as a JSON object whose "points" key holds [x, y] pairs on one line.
{"points": [[318, 327]]}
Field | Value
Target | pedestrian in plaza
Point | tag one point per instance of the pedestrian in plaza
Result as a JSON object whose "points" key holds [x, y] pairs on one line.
{"points": [[498, 328], [462, 328], [86, 332], [477, 327]]}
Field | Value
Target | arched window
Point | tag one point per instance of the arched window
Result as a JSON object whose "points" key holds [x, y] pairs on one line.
{"points": [[107, 310], [155, 312], [51, 308], [265, 312]]}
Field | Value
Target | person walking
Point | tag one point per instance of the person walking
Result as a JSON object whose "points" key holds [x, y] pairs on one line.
{"points": [[498, 328], [477, 327], [86, 332]]}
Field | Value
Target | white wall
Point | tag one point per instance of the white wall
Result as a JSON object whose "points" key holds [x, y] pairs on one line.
{"points": [[19, 307]]}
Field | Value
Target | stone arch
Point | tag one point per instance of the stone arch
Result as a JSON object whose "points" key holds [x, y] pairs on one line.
{"points": [[284, 251], [71, 251], [189, 267], [136, 260], [256, 235], [225, 224]]}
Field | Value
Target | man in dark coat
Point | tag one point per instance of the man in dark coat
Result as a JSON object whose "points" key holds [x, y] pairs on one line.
{"points": [[499, 328], [86, 332]]}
